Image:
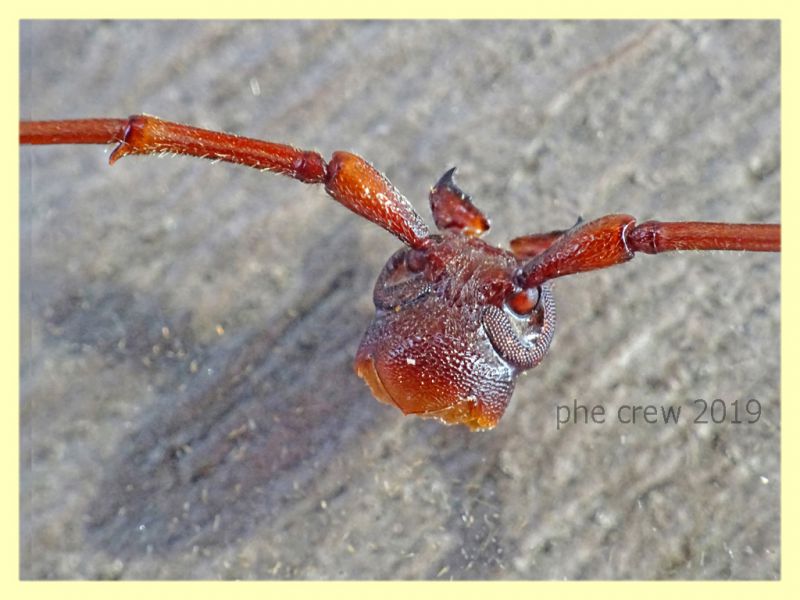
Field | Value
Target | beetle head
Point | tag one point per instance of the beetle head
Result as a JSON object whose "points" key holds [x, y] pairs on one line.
{"points": [[431, 350]]}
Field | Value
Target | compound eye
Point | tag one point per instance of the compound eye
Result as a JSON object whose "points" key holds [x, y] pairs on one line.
{"points": [[522, 338], [416, 260], [402, 280]]}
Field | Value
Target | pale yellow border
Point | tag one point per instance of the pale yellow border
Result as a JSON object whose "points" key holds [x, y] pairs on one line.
{"points": [[765, 9]]}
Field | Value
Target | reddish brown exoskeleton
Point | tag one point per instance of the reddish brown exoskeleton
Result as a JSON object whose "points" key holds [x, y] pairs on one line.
{"points": [[457, 320]]}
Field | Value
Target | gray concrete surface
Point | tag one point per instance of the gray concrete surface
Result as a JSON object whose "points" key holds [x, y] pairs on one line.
{"points": [[189, 408]]}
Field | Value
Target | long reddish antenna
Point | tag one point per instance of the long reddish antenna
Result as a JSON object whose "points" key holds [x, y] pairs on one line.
{"points": [[348, 179], [143, 134], [614, 239]]}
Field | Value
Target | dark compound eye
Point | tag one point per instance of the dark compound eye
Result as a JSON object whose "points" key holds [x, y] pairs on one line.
{"points": [[402, 280], [522, 339], [416, 260]]}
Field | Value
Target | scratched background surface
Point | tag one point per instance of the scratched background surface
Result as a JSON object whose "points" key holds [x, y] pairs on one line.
{"points": [[189, 408]]}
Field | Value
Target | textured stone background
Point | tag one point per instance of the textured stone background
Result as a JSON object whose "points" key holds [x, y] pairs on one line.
{"points": [[253, 451]]}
